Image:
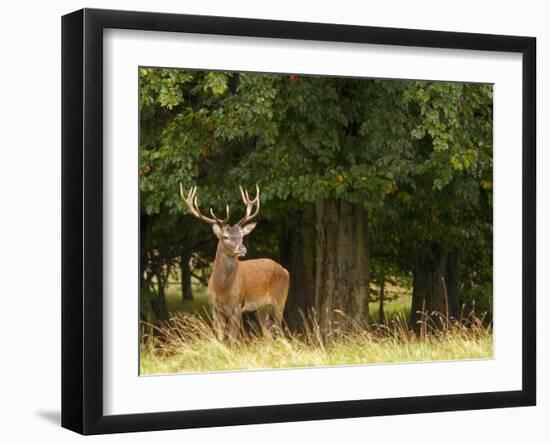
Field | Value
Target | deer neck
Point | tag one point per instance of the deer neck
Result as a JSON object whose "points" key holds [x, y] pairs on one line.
{"points": [[225, 269]]}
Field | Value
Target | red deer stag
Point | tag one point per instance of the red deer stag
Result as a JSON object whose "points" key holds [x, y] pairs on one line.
{"points": [[237, 286]]}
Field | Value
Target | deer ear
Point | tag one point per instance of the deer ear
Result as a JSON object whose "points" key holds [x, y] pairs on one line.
{"points": [[217, 230], [247, 229]]}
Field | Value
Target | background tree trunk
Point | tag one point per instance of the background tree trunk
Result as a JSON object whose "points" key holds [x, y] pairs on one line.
{"points": [[158, 302], [297, 250], [381, 301], [185, 274], [342, 279], [435, 283], [452, 281]]}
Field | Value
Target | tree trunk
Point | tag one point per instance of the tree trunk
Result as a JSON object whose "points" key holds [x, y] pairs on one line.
{"points": [[381, 301], [143, 281], [185, 274], [342, 279], [297, 249], [158, 302], [435, 284], [452, 282]]}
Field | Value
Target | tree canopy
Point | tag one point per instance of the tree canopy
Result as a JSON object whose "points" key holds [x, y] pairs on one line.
{"points": [[410, 159]]}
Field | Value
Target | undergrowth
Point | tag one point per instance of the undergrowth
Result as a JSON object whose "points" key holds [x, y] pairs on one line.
{"points": [[189, 343]]}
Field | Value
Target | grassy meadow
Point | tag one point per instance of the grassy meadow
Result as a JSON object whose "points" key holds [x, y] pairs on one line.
{"points": [[188, 342]]}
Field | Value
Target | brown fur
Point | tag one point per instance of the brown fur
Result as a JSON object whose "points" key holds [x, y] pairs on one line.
{"points": [[243, 286]]}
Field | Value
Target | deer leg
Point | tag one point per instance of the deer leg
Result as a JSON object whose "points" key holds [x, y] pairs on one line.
{"points": [[278, 311], [278, 314], [280, 301], [235, 324], [263, 320], [219, 322]]}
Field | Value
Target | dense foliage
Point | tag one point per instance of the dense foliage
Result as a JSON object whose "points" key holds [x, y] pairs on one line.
{"points": [[410, 159]]}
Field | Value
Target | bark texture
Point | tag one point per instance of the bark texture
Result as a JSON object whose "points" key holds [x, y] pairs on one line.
{"points": [[435, 283], [381, 314], [159, 302], [297, 248], [185, 272], [342, 279]]}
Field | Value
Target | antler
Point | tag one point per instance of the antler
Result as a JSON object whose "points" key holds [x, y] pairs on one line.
{"points": [[193, 206], [249, 205]]}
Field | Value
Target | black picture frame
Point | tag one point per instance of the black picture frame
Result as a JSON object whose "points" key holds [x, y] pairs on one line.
{"points": [[82, 218]]}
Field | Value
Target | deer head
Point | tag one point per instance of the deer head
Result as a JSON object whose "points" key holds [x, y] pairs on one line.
{"points": [[230, 236]]}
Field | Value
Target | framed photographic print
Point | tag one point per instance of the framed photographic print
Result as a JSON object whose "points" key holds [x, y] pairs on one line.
{"points": [[269, 221]]}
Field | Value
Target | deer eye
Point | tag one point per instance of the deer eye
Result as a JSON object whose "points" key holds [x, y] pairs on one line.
{"points": [[225, 237]]}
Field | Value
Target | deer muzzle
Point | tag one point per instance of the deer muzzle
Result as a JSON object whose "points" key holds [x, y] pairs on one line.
{"points": [[240, 251]]}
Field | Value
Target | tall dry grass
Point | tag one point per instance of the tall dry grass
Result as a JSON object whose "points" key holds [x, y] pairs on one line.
{"points": [[189, 343]]}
